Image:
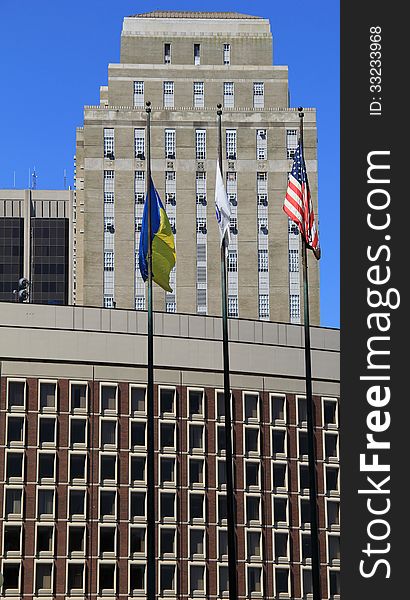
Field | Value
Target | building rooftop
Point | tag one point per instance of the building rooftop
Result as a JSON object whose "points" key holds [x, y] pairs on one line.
{"points": [[186, 14]]}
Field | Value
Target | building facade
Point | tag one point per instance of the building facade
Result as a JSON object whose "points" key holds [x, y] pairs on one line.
{"points": [[185, 64], [36, 242], [73, 455]]}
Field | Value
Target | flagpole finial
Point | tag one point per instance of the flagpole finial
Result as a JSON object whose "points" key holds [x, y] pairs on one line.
{"points": [[301, 113], [219, 107], [148, 106]]}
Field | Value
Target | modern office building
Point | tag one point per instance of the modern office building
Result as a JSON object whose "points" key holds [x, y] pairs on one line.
{"points": [[36, 242], [185, 63], [73, 455]]}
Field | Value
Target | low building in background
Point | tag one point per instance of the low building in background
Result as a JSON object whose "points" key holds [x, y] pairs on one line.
{"points": [[73, 455], [36, 242]]}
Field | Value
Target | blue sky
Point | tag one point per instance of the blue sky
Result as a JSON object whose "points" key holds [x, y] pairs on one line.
{"points": [[54, 57]]}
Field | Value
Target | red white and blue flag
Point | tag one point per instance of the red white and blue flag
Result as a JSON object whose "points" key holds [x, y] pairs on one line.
{"points": [[298, 202]]}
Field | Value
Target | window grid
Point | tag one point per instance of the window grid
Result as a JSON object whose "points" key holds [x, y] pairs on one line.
{"points": [[231, 144], [291, 142], [139, 94], [200, 144], [139, 143], [199, 94], [109, 143], [229, 98], [170, 143], [258, 95], [227, 54], [168, 94]]}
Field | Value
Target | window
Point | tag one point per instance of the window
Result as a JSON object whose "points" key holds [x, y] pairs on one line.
{"points": [[45, 540], [78, 432], [196, 438], [137, 540], [227, 54], [137, 469], [291, 142], [11, 575], [253, 545], [45, 503], [107, 540], [333, 514], [77, 467], [252, 470], [167, 541], [109, 144], [199, 96], [167, 402], [304, 479], [108, 468], [264, 306], [48, 396], [139, 94], [220, 438], [78, 397], [233, 306], [231, 144], [200, 144], [258, 95], [201, 225], [76, 504], [278, 442], [195, 403], [12, 539], [306, 582], [222, 544], [139, 143], [223, 579], [280, 511], [108, 503], [281, 545], [293, 261], [197, 579], [196, 506], [167, 470], [302, 412], [254, 577], [108, 399], [252, 509], [166, 578], [106, 578], [138, 395], [75, 578], [15, 431], [278, 407], [137, 435], [334, 583], [333, 542], [16, 395], [331, 446], [232, 261], [222, 508], [305, 547], [167, 436], [167, 53], [196, 543], [46, 467], [14, 466], [279, 476], [137, 578], [263, 225], [168, 94], [108, 432], [263, 261], [196, 472], [281, 581], [108, 260], [303, 445], [44, 578], [305, 513], [167, 506], [251, 440], [332, 480], [294, 306], [170, 146], [137, 505], [229, 98], [221, 473], [13, 503], [251, 407], [330, 413], [76, 541], [197, 54], [261, 144]]}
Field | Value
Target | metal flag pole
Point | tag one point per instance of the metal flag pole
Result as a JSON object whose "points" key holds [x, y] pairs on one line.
{"points": [[314, 524], [151, 575], [230, 494]]}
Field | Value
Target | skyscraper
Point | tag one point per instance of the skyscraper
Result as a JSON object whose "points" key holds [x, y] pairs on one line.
{"points": [[185, 64]]}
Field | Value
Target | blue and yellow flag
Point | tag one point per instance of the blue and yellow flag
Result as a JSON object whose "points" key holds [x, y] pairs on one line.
{"points": [[163, 245]]}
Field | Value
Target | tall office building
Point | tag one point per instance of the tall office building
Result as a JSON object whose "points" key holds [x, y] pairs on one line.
{"points": [[185, 63], [73, 438], [36, 242]]}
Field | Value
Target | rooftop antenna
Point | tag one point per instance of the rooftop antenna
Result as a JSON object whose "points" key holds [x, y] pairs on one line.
{"points": [[14, 179], [34, 176], [65, 179]]}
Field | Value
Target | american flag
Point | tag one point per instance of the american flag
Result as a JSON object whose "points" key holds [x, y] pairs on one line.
{"points": [[298, 202]]}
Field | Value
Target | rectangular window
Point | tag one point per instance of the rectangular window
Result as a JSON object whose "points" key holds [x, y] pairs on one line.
{"points": [[48, 396], [281, 581], [109, 143], [12, 540], [232, 306], [167, 53], [231, 144], [294, 307], [197, 54], [106, 578], [139, 94], [16, 395], [167, 402], [232, 261], [196, 403], [168, 94], [197, 580], [291, 142], [261, 144], [137, 579], [196, 543], [254, 580], [139, 143], [78, 397], [108, 260], [227, 54], [200, 144], [258, 95], [138, 398], [293, 261], [263, 261], [75, 578], [264, 306], [199, 94], [229, 97], [108, 399], [44, 578], [170, 145]]}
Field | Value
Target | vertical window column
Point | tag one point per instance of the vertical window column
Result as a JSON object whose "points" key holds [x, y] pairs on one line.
{"points": [[263, 244], [291, 142], [198, 94], [109, 230], [232, 193], [294, 276], [139, 191], [170, 200], [109, 143], [201, 239], [168, 94], [139, 94], [229, 98], [258, 95]]}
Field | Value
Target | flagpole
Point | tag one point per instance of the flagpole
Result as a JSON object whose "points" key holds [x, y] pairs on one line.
{"points": [[230, 493], [314, 524], [151, 575]]}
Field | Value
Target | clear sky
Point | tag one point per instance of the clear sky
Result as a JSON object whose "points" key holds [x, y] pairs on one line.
{"points": [[54, 57]]}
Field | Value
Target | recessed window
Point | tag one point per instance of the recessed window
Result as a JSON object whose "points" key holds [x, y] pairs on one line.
{"points": [[251, 440], [108, 395], [167, 53], [44, 578], [137, 469], [281, 581], [304, 513], [330, 413], [137, 435], [306, 546], [45, 503], [254, 581], [13, 503], [334, 583], [221, 438], [229, 101], [227, 54], [303, 445], [223, 580], [107, 504], [278, 442], [107, 540], [137, 505], [139, 143], [278, 409], [76, 540], [76, 504], [167, 436], [168, 94], [281, 545], [253, 545], [333, 542], [167, 579], [47, 431], [46, 466], [48, 396], [222, 508], [79, 397], [251, 407], [302, 412], [137, 579], [77, 467], [16, 395], [199, 94], [138, 395], [196, 506], [307, 587], [139, 94], [195, 403], [332, 480], [167, 541], [220, 405], [75, 578], [333, 514], [12, 539], [252, 474], [108, 468], [231, 144], [170, 141], [196, 437], [167, 402], [167, 506], [280, 511], [106, 578], [196, 472], [167, 470], [45, 539], [304, 479], [137, 540], [108, 432], [197, 579], [196, 543], [222, 544], [197, 54], [331, 449], [252, 508], [78, 432], [279, 475], [261, 144], [14, 465], [221, 473], [15, 430]]}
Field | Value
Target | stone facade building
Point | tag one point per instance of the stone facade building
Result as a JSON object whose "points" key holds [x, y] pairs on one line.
{"points": [[185, 64]]}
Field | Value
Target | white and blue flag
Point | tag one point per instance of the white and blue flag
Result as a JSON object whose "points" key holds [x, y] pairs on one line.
{"points": [[222, 206]]}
